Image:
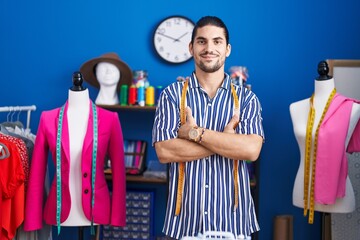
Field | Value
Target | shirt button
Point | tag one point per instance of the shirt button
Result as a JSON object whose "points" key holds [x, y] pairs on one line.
{"points": [[86, 191], [205, 212], [85, 175], [206, 186]]}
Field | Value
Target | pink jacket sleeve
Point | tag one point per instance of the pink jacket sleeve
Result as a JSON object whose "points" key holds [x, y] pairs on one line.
{"points": [[34, 199], [116, 154]]}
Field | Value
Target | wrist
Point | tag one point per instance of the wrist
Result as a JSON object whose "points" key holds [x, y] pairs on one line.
{"points": [[201, 135]]}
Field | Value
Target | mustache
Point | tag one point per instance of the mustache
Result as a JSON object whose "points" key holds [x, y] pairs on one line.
{"points": [[208, 53]]}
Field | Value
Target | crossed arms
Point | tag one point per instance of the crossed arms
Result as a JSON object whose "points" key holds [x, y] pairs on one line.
{"points": [[226, 143]]}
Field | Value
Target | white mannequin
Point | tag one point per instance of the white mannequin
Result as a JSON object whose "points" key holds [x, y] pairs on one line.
{"points": [[77, 116], [108, 76], [299, 115]]}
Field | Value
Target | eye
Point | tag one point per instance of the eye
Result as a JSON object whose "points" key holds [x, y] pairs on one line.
{"points": [[217, 42]]}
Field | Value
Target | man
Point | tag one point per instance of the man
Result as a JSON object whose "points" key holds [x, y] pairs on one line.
{"points": [[223, 125]]}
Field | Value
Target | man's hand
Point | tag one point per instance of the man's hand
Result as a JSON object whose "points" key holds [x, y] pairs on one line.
{"points": [[184, 129], [230, 127]]}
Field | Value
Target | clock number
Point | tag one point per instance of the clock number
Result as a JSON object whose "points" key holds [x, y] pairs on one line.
{"points": [[176, 58], [161, 30], [177, 21]]}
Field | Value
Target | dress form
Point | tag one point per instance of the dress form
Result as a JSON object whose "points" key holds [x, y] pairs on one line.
{"points": [[77, 116], [324, 85]]}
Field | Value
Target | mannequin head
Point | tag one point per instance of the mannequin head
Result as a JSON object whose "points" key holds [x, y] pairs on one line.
{"points": [[107, 74], [107, 70]]}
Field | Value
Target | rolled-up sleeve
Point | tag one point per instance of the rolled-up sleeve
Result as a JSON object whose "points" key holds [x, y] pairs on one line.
{"points": [[167, 118]]}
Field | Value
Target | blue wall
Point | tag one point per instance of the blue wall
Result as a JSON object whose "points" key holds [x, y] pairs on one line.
{"points": [[281, 42]]}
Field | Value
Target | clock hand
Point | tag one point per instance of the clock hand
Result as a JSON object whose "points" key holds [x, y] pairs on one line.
{"points": [[175, 40], [178, 39]]}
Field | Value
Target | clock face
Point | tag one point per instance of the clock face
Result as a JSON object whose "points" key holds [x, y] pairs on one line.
{"points": [[172, 37]]}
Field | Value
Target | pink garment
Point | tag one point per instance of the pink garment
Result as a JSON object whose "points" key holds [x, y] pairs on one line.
{"points": [[110, 142], [331, 161]]}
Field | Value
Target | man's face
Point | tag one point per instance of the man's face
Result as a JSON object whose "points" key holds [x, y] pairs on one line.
{"points": [[210, 48]]}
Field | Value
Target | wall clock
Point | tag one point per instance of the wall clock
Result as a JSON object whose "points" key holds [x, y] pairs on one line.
{"points": [[172, 37]]}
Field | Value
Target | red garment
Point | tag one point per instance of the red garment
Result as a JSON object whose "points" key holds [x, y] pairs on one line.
{"points": [[12, 179], [14, 212], [1, 214], [23, 153]]}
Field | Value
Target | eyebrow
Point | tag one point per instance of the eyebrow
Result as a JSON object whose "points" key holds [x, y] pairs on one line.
{"points": [[216, 38]]}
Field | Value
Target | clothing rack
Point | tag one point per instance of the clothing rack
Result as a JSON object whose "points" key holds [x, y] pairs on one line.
{"points": [[20, 109]]}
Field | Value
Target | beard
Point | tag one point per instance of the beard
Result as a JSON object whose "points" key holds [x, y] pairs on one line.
{"points": [[210, 69]]}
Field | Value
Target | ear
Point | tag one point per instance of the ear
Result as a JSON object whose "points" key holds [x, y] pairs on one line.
{"points": [[191, 49], [228, 50]]}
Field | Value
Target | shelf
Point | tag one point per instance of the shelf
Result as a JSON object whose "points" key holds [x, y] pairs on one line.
{"points": [[137, 178], [130, 108]]}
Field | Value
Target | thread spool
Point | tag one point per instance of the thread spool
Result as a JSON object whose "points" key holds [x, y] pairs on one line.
{"points": [[158, 91], [141, 96], [150, 95], [132, 95], [124, 95]]}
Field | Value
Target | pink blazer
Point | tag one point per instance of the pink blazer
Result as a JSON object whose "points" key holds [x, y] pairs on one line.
{"points": [[110, 143]]}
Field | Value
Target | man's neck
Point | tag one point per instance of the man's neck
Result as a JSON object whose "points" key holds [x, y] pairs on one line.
{"points": [[210, 82]]}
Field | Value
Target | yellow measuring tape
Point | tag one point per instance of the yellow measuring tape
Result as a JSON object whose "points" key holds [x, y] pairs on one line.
{"points": [[308, 142], [180, 186], [236, 162]]}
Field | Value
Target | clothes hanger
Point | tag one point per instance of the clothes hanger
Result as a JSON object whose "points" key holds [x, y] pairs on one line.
{"points": [[9, 119]]}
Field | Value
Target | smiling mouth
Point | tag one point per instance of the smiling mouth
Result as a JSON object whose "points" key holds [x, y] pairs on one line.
{"points": [[208, 55]]}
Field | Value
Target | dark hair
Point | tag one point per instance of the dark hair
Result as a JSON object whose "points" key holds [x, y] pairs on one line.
{"points": [[213, 21]]}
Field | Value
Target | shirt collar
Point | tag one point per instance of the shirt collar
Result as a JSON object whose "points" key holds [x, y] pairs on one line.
{"points": [[194, 83]]}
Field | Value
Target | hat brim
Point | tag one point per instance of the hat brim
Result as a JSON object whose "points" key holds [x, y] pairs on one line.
{"points": [[88, 71]]}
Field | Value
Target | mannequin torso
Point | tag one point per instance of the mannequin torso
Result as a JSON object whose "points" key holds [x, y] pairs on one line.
{"points": [[299, 115], [77, 115]]}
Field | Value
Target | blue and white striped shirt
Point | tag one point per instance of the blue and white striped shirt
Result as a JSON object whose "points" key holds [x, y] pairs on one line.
{"points": [[208, 196]]}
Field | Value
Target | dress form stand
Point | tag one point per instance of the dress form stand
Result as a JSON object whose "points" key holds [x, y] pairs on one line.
{"points": [[323, 71], [329, 224], [323, 86], [77, 115]]}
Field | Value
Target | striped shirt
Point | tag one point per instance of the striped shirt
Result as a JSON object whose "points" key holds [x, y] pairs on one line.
{"points": [[208, 201]]}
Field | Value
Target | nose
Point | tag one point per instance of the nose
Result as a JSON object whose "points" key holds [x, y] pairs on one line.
{"points": [[209, 47], [107, 70]]}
